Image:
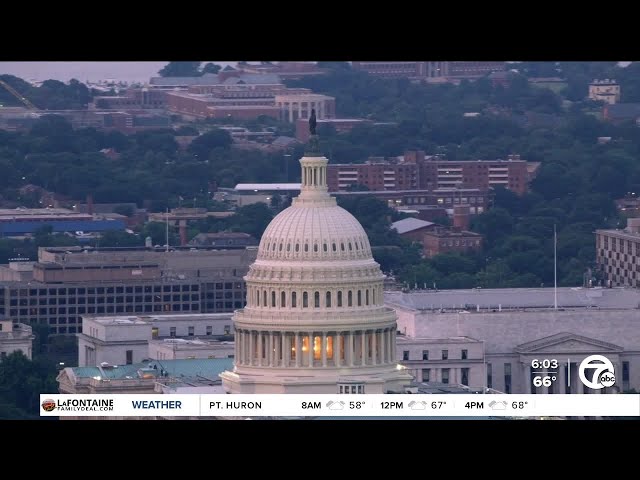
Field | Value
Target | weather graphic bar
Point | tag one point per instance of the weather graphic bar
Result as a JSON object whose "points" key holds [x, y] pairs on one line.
{"points": [[374, 405]]}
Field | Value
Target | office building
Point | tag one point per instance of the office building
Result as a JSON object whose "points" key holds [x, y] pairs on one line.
{"points": [[618, 255], [69, 282]]}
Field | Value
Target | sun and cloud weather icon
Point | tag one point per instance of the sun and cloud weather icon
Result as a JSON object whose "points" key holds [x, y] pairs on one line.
{"points": [[494, 405], [339, 405], [421, 405]]}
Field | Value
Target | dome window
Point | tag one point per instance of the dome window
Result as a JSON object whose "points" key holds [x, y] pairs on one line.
{"points": [[280, 248], [350, 247], [315, 247], [306, 247], [297, 247], [342, 246], [324, 247], [334, 246], [288, 247]]}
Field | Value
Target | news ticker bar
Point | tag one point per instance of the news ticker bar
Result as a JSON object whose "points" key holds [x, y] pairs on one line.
{"points": [[373, 405]]}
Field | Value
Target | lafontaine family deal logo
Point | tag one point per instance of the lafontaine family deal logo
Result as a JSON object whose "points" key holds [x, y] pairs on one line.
{"points": [[49, 405]]}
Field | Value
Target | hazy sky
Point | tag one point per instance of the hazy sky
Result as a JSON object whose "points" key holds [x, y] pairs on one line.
{"points": [[85, 71]]}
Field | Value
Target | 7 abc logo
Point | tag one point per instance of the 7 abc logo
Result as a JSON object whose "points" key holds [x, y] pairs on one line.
{"points": [[597, 372]]}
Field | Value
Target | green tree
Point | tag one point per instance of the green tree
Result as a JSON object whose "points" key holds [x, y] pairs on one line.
{"points": [[21, 383], [181, 69], [211, 68], [202, 147], [252, 219]]}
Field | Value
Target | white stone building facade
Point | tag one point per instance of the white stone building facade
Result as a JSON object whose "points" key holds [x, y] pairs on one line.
{"points": [[521, 330], [123, 340], [15, 336]]}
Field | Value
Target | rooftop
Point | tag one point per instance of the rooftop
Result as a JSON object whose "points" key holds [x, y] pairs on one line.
{"points": [[447, 233], [401, 339], [209, 368], [193, 344], [410, 224], [266, 187], [39, 212], [515, 298], [620, 233], [145, 319]]}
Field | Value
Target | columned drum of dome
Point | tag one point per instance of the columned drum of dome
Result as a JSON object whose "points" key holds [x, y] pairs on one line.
{"points": [[315, 320]]}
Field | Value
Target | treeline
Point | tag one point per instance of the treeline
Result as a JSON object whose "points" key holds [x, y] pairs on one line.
{"points": [[150, 168], [51, 95]]}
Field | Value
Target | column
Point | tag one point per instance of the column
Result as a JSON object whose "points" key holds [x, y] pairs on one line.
{"points": [[336, 349], [351, 350], [363, 337], [286, 352], [374, 349], [388, 349], [271, 347], [238, 340], [324, 349], [247, 347], [260, 351], [526, 378], [393, 345], [579, 384], [298, 349], [290, 112], [438, 373], [310, 352], [299, 109], [562, 379], [277, 347]]}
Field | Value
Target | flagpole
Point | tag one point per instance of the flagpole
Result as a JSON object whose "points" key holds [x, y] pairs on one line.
{"points": [[555, 269]]}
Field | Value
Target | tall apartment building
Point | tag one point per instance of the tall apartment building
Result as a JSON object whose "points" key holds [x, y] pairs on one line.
{"points": [[418, 171], [69, 282], [618, 255]]}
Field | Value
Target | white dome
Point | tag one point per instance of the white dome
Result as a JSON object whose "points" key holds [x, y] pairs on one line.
{"points": [[314, 232], [315, 315]]}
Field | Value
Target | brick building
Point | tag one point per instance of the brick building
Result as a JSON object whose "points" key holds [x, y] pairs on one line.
{"points": [[418, 171], [442, 200], [209, 106], [133, 98], [621, 112], [450, 240]]}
